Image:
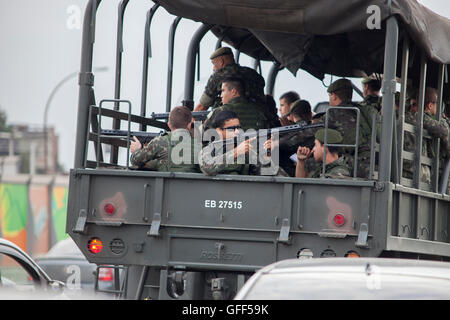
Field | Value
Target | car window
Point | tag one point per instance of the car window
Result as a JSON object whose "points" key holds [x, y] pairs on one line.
{"points": [[14, 275]]}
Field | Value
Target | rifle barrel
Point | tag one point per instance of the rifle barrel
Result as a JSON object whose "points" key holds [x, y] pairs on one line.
{"points": [[198, 115], [270, 131]]}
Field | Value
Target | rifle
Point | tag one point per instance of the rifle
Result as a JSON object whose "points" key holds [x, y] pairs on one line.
{"points": [[268, 132], [143, 137], [197, 115]]}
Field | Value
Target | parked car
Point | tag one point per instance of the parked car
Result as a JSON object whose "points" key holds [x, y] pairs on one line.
{"points": [[21, 277], [65, 262], [349, 279]]}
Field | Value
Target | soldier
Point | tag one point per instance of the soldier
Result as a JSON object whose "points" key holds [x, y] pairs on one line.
{"points": [[250, 114], [174, 151], [224, 66], [286, 101], [288, 143], [340, 95], [371, 93], [213, 159], [436, 129], [335, 167]]}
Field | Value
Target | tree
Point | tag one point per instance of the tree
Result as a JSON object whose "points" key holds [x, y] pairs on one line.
{"points": [[3, 120]]}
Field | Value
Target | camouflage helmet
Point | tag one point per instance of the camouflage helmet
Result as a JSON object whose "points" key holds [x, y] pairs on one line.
{"points": [[333, 136], [340, 84], [221, 52]]}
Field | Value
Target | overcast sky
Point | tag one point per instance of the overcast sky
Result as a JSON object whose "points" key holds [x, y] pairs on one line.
{"points": [[41, 44]]}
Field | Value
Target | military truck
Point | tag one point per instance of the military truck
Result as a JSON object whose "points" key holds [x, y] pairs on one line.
{"points": [[192, 236]]}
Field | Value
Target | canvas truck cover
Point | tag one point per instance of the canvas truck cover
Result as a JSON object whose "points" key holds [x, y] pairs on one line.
{"points": [[319, 36]]}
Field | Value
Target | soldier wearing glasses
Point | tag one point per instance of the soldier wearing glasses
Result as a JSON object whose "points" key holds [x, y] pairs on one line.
{"points": [[213, 159]]}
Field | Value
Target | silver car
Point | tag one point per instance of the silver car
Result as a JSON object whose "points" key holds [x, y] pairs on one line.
{"points": [[21, 277], [349, 279]]}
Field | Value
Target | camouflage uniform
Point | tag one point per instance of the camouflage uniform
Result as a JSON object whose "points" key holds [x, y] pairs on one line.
{"points": [[345, 122], [223, 163], [408, 145], [436, 129], [291, 141], [249, 114], [372, 101], [157, 154], [334, 170], [253, 85]]}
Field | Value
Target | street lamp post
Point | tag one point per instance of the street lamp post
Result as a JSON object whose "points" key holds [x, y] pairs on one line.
{"points": [[47, 106]]}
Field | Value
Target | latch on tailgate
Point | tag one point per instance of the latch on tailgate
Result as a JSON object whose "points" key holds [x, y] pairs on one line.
{"points": [[284, 231], [81, 222], [156, 223]]}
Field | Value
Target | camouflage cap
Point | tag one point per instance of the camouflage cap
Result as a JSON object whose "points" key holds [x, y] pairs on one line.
{"points": [[333, 136], [340, 84], [221, 52]]}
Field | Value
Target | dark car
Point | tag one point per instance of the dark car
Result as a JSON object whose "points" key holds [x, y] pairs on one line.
{"points": [[349, 279], [21, 276], [65, 262]]}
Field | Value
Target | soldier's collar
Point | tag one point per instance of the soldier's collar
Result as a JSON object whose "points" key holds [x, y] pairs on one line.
{"points": [[237, 99]]}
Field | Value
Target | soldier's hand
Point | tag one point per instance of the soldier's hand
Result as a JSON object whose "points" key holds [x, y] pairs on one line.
{"points": [[303, 153], [269, 144], [244, 147], [135, 145]]}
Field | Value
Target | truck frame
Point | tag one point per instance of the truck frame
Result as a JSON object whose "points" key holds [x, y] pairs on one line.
{"points": [[192, 236]]}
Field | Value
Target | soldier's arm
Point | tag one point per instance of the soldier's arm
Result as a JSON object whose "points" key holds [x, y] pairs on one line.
{"points": [[152, 151], [209, 94], [302, 154], [211, 164], [438, 129]]}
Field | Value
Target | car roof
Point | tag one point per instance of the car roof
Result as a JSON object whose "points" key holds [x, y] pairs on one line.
{"points": [[63, 248], [349, 278], [301, 265]]}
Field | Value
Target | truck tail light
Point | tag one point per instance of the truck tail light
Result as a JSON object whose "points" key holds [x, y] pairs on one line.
{"points": [[95, 245]]}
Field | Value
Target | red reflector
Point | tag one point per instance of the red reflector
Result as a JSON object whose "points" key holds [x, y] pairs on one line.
{"points": [[95, 245], [109, 208], [339, 219], [105, 274]]}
